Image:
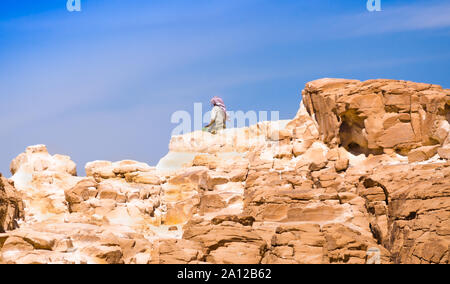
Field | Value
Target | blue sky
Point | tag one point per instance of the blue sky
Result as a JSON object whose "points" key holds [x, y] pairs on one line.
{"points": [[103, 83]]}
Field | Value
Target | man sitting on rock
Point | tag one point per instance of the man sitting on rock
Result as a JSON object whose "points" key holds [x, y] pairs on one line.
{"points": [[218, 116]]}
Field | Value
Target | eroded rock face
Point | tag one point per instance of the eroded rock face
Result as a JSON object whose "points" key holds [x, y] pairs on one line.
{"points": [[227, 239], [413, 220], [360, 175], [375, 115], [11, 206]]}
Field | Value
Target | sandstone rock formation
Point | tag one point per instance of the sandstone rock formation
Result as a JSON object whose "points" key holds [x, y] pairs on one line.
{"points": [[360, 175], [41, 180], [378, 115], [11, 206]]}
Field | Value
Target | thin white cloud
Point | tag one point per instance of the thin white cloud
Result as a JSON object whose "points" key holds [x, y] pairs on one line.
{"points": [[393, 19]]}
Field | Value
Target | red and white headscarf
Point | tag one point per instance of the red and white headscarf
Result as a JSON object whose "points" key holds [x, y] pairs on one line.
{"points": [[216, 101]]}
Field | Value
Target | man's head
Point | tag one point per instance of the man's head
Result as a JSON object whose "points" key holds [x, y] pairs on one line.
{"points": [[216, 101]]}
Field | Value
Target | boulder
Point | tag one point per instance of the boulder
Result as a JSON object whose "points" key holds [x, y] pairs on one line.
{"points": [[444, 152], [422, 153], [342, 161], [315, 157], [11, 206]]}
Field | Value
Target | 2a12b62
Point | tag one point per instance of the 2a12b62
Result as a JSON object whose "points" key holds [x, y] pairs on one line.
{"points": [[246, 273]]}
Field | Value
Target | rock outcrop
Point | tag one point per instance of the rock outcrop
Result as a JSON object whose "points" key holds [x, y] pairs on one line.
{"points": [[379, 115], [360, 175], [41, 179], [11, 206]]}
